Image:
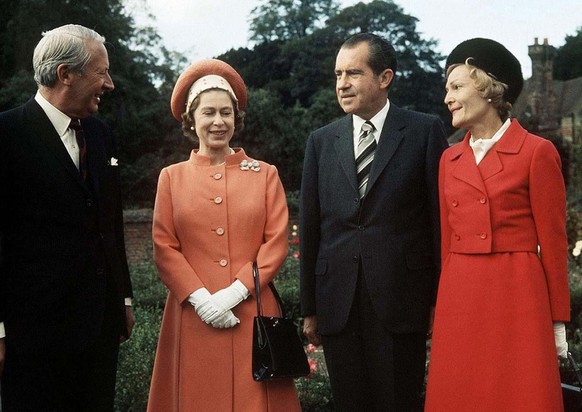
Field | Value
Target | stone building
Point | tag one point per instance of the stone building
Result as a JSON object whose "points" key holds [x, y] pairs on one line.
{"points": [[547, 105]]}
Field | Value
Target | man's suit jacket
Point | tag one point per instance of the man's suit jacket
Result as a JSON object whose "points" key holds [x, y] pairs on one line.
{"points": [[61, 237], [393, 232]]}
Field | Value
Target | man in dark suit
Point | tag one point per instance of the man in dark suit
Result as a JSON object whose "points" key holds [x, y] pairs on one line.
{"points": [[369, 235], [64, 281]]}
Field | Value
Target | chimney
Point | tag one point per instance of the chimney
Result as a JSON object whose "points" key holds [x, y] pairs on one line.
{"points": [[541, 94]]}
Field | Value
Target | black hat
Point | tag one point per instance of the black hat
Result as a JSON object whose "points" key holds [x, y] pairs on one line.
{"points": [[494, 59]]}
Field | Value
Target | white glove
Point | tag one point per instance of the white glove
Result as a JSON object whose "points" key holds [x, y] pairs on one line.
{"points": [[560, 339], [228, 320], [227, 298], [207, 310]]}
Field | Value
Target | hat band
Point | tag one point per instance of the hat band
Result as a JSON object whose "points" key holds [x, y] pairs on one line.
{"points": [[211, 81]]}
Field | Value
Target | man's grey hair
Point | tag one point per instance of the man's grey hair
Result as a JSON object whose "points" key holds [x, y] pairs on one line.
{"points": [[63, 45]]}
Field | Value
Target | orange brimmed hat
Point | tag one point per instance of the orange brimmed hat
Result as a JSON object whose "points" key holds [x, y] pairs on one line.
{"points": [[204, 75]]}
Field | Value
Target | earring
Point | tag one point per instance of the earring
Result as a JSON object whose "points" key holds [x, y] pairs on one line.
{"points": [[489, 100], [192, 127]]}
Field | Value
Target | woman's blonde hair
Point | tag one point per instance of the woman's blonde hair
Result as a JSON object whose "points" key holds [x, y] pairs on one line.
{"points": [[488, 87]]}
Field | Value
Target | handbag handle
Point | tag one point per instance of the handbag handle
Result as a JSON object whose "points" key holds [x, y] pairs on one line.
{"points": [[575, 367], [258, 292]]}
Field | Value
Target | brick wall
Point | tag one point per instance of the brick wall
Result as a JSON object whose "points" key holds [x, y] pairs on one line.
{"points": [[138, 235]]}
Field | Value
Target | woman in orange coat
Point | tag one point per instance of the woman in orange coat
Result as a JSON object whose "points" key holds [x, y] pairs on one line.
{"points": [[503, 293], [214, 215]]}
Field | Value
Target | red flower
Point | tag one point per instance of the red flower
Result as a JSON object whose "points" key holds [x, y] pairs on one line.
{"points": [[312, 365]]}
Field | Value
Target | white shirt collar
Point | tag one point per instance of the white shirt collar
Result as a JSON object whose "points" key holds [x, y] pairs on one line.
{"points": [[482, 146], [59, 120], [378, 122]]}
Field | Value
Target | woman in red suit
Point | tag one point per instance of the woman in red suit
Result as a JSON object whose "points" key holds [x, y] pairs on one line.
{"points": [[503, 294]]}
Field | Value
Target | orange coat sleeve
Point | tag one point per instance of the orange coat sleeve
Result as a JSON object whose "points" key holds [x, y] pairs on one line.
{"points": [[175, 271]]}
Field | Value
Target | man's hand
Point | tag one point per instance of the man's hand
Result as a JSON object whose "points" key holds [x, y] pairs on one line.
{"points": [[130, 323], [2, 354], [310, 330]]}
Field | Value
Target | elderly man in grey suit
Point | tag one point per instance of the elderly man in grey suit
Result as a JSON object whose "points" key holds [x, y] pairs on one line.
{"points": [[369, 235], [64, 279]]}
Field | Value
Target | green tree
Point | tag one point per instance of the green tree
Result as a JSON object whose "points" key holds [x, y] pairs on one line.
{"points": [[298, 65], [568, 60], [288, 19]]}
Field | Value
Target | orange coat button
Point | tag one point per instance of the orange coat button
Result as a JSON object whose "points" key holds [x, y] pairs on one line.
{"points": [[223, 262], [218, 200], [455, 203], [217, 176], [483, 235], [219, 231], [483, 200]]}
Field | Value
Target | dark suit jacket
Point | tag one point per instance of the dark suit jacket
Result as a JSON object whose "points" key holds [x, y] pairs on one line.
{"points": [[61, 237], [393, 232]]}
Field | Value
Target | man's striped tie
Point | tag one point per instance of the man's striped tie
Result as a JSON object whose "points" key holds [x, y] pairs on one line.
{"points": [[365, 156]]}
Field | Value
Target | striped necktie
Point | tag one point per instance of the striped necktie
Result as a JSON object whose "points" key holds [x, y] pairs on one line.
{"points": [[80, 136], [365, 156]]}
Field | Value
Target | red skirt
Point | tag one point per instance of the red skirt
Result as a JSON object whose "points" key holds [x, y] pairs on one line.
{"points": [[493, 345]]}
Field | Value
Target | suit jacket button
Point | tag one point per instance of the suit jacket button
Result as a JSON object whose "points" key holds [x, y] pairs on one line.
{"points": [[217, 176], [483, 200], [356, 200], [483, 235], [457, 237], [355, 259], [361, 228], [220, 231], [89, 202], [455, 203], [218, 200], [223, 262]]}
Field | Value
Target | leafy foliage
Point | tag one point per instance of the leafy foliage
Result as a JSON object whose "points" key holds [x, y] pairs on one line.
{"points": [[568, 60], [289, 19], [136, 360]]}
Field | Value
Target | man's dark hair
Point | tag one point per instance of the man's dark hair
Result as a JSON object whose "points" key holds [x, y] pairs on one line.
{"points": [[381, 54]]}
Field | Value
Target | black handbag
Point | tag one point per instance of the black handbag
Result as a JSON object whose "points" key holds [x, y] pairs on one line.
{"points": [[277, 348], [571, 394]]}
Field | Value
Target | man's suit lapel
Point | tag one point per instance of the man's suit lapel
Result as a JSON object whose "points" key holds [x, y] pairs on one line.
{"points": [[39, 125], [344, 147], [389, 141]]}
